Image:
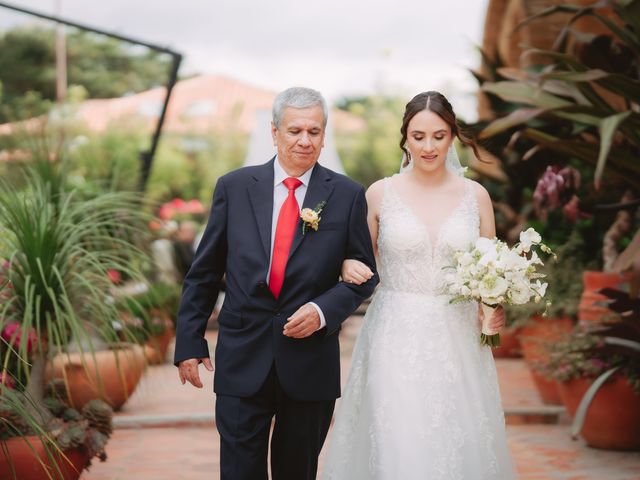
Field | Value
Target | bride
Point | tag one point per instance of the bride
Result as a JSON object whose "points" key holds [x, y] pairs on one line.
{"points": [[422, 399]]}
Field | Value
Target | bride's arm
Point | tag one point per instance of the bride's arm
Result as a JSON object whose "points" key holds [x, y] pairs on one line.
{"points": [[354, 271], [488, 230], [487, 218]]}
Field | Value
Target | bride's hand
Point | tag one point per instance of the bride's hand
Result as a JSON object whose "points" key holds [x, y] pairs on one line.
{"points": [[498, 319], [356, 272]]}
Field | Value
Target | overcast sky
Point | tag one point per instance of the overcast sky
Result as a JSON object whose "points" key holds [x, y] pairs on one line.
{"points": [[340, 47]]}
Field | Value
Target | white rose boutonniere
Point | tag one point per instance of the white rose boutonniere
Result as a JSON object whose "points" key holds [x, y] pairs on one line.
{"points": [[311, 217]]}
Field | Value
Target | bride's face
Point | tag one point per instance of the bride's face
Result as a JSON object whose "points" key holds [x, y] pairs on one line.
{"points": [[428, 140]]}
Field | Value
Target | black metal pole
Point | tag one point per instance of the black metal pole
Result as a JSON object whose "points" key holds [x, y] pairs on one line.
{"points": [[146, 157]]}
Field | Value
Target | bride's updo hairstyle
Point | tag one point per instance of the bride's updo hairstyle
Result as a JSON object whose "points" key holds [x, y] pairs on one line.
{"points": [[437, 103]]}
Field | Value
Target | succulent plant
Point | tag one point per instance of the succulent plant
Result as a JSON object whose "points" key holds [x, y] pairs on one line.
{"points": [[69, 435], [95, 443], [71, 415], [99, 414], [12, 422], [55, 405]]}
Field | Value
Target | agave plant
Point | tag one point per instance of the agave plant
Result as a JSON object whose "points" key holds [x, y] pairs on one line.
{"points": [[59, 246]]}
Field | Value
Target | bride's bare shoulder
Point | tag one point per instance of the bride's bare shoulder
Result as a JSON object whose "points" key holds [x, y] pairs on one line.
{"points": [[376, 189], [482, 195], [375, 192]]}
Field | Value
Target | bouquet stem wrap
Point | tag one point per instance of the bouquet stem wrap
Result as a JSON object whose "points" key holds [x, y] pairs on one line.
{"points": [[488, 337]]}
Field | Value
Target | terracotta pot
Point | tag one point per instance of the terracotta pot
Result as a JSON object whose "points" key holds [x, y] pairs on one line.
{"points": [[31, 462], [110, 375], [613, 418], [535, 337], [593, 281], [509, 344], [547, 388], [155, 349]]}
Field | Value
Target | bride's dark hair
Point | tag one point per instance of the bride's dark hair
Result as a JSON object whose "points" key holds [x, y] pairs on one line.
{"points": [[437, 103]]}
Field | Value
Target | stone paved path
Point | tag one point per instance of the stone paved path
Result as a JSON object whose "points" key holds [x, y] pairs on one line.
{"points": [[166, 431]]}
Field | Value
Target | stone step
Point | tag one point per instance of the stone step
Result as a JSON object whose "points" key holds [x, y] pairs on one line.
{"points": [[513, 416]]}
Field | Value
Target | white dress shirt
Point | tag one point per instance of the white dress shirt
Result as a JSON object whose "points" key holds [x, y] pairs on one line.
{"points": [[280, 193]]}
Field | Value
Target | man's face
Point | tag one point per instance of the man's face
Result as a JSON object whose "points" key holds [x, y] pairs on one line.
{"points": [[299, 139]]}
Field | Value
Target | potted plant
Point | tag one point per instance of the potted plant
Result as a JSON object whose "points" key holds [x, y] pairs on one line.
{"points": [[59, 443], [150, 317], [58, 244], [599, 370], [575, 111]]}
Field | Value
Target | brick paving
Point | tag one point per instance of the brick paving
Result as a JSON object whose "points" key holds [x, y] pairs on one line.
{"points": [[166, 430]]}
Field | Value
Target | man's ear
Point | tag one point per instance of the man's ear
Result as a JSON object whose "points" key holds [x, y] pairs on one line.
{"points": [[274, 130]]}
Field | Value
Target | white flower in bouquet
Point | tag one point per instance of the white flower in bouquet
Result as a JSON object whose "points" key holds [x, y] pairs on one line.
{"points": [[528, 238], [492, 287], [466, 259], [492, 273], [520, 293]]}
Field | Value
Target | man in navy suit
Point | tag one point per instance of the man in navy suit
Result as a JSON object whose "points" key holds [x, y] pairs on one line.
{"points": [[277, 354]]}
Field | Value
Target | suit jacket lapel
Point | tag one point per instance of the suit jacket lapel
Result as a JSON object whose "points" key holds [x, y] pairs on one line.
{"points": [[319, 190], [261, 196]]}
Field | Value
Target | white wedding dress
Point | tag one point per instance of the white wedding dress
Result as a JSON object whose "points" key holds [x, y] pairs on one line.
{"points": [[422, 399]]}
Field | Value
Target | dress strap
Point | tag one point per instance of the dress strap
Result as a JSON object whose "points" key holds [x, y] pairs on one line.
{"points": [[470, 197]]}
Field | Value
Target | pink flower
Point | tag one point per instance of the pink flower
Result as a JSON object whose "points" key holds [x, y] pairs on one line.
{"points": [[177, 205], [7, 380], [114, 276], [165, 212], [12, 334], [155, 225], [555, 188], [194, 206]]}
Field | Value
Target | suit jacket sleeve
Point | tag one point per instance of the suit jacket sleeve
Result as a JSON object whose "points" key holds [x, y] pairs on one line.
{"points": [[342, 300], [202, 282]]}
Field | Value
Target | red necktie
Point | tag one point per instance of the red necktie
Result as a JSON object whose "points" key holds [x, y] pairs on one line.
{"points": [[285, 230]]}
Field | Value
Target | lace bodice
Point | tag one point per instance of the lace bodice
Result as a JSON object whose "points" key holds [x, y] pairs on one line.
{"points": [[410, 260]]}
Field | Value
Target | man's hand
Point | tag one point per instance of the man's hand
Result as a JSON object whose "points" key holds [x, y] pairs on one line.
{"points": [[188, 370], [356, 272], [302, 323]]}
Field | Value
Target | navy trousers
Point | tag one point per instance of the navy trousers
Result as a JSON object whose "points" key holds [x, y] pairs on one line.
{"points": [[244, 424]]}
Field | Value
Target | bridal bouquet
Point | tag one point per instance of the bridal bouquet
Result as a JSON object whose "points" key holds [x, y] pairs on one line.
{"points": [[492, 273]]}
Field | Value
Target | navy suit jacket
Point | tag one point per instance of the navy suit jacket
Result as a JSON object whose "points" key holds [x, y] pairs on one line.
{"points": [[237, 241]]}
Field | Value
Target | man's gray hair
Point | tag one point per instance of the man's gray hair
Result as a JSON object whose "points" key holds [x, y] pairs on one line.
{"points": [[298, 97]]}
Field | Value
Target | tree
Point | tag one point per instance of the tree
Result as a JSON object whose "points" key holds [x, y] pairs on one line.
{"points": [[372, 153], [105, 67]]}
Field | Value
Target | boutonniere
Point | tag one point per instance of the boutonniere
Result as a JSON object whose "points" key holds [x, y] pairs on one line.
{"points": [[311, 218]]}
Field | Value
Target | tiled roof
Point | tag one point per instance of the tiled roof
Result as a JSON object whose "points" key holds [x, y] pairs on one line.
{"points": [[197, 104]]}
